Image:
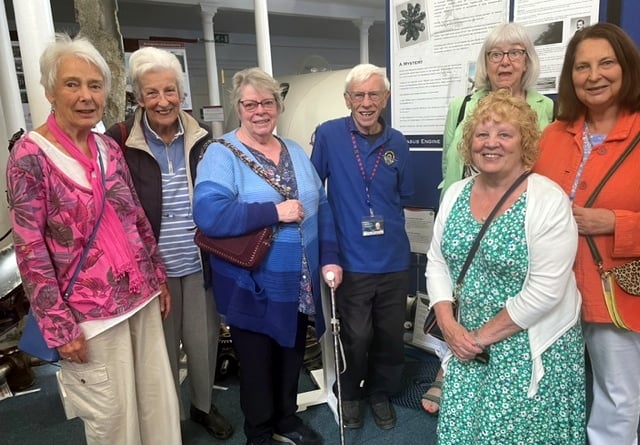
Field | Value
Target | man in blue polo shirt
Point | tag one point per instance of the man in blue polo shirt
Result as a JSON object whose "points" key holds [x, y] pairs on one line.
{"points": [[366, 165]]}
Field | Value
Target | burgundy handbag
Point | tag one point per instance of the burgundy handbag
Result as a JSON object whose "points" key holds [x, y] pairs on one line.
{"points": [[246, 250]]}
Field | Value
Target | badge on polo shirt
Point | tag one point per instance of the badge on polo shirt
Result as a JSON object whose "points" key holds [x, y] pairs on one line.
{"points": [[389, 157]]}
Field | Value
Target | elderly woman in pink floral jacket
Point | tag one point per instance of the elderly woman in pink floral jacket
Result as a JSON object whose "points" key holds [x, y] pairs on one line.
{"points": [[61, 177]]}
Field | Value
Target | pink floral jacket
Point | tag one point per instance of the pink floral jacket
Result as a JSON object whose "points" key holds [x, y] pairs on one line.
{"points": [[53, 217]]}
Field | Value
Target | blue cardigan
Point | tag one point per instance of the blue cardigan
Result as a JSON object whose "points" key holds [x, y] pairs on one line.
{"points": [[229, 200]]}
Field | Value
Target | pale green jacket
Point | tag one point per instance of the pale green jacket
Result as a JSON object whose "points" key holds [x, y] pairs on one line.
{"points": [[452, 165]]}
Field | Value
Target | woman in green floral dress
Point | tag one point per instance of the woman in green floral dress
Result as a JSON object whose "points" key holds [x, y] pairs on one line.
{"points": [[518, 302]]}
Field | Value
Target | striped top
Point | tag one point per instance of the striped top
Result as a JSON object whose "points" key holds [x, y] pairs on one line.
{"points": [[175, 243]]}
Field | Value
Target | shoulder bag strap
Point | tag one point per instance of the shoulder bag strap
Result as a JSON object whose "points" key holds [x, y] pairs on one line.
{"points": [[463, 107], [612, 170], [485, 226], [92, 237], [595, 253], [250, 163], [123, 134]]}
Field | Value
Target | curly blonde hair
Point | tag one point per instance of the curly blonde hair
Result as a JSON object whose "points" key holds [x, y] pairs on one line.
{"points": [[502, 106]]}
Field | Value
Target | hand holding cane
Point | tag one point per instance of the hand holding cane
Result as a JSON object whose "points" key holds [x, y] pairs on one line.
{"points": [[335, 330]]}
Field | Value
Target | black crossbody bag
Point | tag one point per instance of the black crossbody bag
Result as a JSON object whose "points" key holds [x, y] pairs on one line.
{"points": [[431, 323]]}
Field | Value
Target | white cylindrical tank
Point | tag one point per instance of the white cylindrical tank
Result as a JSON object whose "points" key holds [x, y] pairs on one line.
{"points": [[311, 99]]}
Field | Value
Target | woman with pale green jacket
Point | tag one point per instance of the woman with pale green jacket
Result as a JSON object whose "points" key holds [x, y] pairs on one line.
{"points": [[507, 60]]}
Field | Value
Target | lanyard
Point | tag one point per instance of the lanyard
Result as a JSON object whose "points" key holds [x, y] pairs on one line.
{"points": [[363, 173]]}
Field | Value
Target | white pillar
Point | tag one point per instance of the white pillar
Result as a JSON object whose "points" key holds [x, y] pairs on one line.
{"points": [[9, 88], [5, 219], [263, 40], [34, 23], [208, 12], [363, 25]]}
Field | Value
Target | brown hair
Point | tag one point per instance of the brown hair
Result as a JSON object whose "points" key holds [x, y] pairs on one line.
{"points": [[502, 106], [569, 106]]}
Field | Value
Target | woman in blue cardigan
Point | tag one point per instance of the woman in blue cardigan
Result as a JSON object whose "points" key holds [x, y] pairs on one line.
{"points": [[268, 308]]}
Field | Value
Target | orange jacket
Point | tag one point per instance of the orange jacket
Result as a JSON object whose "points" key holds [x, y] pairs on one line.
{"points": [[561, 153]]}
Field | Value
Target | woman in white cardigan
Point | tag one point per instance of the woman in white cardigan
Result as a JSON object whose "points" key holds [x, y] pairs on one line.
{"points": [[518, 303]]}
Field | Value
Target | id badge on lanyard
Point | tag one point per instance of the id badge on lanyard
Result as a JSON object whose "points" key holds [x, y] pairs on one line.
{"points": [[372, 224]]}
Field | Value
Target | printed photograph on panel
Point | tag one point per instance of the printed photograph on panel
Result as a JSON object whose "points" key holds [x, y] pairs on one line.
{"points": [[411, 23], [577, 24], [471, 77], [546, 33]]}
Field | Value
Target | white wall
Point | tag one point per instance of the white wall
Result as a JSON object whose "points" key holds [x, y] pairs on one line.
{"points": [[287, 55]]}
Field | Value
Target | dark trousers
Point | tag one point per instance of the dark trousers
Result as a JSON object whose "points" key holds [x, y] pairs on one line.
{"points": [[268, 380], [371, 308]]}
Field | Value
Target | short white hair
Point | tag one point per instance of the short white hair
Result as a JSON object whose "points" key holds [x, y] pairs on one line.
{"points": [[361, 73], [149, 59], [80, 47]]}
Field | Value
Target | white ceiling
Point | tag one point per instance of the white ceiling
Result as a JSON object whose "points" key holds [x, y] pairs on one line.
{"points": [[292, 18]]}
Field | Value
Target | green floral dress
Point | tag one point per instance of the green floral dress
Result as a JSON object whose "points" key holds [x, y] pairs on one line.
{"points": [[488, 404]]}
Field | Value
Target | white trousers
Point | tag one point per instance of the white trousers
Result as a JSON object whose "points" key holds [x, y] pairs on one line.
{"points": [[193, 322], [615, 360], [125, 393]]}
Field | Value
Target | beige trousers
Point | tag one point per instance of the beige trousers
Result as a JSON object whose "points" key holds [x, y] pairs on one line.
{"points": [[193, 322], [125, 394]]}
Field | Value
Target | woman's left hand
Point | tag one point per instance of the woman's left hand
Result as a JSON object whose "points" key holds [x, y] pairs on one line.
{"points": [[337, 275], [165, 301], [594, 221], [75, 351], [462, 343]]}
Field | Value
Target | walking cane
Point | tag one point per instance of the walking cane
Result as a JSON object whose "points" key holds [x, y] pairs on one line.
{"points": [[337, 348]]}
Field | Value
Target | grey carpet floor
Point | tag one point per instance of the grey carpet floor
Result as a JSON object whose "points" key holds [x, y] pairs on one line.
{"points": [[38, 417]]}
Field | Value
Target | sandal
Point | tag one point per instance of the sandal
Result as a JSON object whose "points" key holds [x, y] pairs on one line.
{"points": [[433, 399]]}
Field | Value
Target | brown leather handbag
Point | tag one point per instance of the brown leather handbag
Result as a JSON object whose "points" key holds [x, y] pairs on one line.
{"points": [[246, 251]]}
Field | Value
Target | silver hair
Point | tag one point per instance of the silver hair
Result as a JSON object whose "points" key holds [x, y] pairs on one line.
{"points": [[80, 47], [148, 59], [259, 80], [362, 73], [508, 33]]}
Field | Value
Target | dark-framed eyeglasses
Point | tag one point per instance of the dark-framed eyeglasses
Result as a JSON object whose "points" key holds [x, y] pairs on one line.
{"points": [[358, 96], [252, 105], [515, 55]]}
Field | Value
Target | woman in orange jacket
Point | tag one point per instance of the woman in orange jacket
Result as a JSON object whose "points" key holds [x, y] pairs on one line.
{"points": [[599, 117]]}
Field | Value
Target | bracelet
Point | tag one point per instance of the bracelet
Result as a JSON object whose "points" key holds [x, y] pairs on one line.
{"points": [[477, 340]]}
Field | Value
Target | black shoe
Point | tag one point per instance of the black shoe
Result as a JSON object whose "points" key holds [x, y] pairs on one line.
{"points": [[384, 414], [213, 422], [302, 435], [351, 416]]}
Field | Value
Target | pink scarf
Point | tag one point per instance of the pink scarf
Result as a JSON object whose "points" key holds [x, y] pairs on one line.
{"points": [[111, 238]]}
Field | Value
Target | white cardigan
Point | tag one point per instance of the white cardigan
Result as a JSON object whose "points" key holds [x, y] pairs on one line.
{"points": [[549, 303]]}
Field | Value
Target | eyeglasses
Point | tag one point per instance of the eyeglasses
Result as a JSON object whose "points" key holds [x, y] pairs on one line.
{"points": [[374, 96], [252, 105], [515, 55]]}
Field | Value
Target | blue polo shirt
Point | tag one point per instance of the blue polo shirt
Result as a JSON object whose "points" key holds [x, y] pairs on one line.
{"points": [[335, 160]]}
